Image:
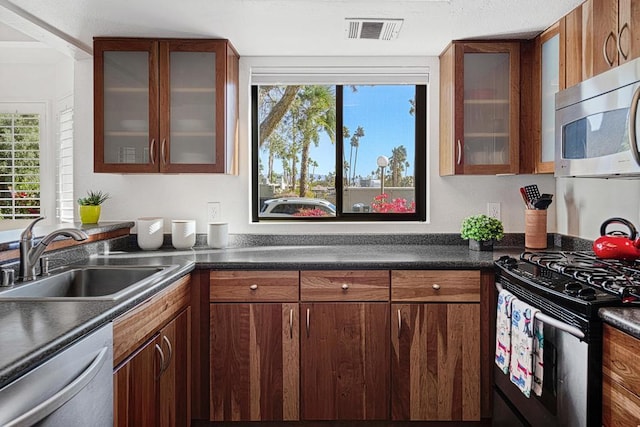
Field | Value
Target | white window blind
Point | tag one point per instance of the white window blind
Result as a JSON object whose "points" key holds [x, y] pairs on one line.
{"points": [[339, 75], [19, 165], [64, 168]]}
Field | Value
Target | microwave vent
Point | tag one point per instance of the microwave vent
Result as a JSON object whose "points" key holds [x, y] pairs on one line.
{"points": [[372, 29]]}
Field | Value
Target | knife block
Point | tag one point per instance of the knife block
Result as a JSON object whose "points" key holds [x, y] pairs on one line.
{"points": [[535, 228]]}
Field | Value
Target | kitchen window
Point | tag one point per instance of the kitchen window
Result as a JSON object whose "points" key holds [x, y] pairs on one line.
{"points": [[20, 134], [354, 151]]}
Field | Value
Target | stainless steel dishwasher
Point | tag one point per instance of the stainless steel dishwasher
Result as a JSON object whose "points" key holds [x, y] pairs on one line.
{"points": [[73, 388]]}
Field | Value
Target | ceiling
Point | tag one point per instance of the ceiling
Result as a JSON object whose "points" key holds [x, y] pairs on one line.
{"points": [[290, 27]]}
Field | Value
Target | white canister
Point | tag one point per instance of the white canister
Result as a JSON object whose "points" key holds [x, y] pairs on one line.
{"points": [[217, 234], [183, 233], [150, 232]]}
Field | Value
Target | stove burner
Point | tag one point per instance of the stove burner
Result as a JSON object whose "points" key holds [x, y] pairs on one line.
{"points": [[621, 278]]}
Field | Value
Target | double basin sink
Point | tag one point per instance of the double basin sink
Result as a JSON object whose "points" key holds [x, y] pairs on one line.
{"points": [[87, 283]]}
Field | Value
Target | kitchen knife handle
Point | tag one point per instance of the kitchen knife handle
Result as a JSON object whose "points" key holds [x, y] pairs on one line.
{"points": [[399, 323], [633, 117], [604, 48], [459, 152], [624, 27]]}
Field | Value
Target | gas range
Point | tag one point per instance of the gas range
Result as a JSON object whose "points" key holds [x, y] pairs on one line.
{"points": [[576, 281]]}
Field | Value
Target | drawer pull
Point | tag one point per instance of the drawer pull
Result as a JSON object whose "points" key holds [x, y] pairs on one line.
{"points": [[435, 287], [345, 286], [253, 287], [308, 316], [399, 323], [162, 360], [170, 356]]}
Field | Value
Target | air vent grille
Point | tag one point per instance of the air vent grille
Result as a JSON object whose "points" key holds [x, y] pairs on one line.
{"points": [[372, 29]]}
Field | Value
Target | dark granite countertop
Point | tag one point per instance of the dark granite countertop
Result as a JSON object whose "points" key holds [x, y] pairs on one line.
{"points": [[627, 319], [30, 332]]}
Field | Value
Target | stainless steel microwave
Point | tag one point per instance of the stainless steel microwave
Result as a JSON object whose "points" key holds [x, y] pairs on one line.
{"points": [[597, 125]]}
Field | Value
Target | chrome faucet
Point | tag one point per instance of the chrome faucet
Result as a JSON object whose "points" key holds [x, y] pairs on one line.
{"points": [[30, 254]]}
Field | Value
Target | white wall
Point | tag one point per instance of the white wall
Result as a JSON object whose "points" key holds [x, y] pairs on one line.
{"points": [[43, 77], [186, 195]]}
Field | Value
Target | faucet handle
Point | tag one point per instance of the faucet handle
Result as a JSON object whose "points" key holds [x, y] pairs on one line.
{"points": [[27, 234]]}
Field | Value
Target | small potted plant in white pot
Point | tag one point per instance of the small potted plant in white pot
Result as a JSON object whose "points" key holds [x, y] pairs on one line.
{"points": [[481, 231], [89, 208]]}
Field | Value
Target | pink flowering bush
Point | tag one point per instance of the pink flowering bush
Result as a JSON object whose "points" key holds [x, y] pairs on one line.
{"points": [[311, 212], [381, 204]]}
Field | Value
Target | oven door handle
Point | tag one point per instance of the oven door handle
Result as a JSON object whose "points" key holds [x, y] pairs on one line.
{"points": [[551, 321]]}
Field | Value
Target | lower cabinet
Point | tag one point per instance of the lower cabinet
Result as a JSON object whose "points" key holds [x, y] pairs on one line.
{"points": [[254, 346], [152, 380], [345, 361], [620, 378], [435, 368]]}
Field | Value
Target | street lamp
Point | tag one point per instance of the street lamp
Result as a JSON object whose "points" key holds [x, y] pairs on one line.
{"points": [[383, 162]]}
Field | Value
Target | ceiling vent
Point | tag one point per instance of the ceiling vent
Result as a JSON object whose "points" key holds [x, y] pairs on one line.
{"points": [[372, 29]]}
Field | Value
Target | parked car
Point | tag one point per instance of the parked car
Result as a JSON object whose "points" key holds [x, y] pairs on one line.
{"points": [[290, 206]]}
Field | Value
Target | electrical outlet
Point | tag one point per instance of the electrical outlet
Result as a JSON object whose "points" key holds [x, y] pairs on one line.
{"points": [[213, 211], [493, 210]]}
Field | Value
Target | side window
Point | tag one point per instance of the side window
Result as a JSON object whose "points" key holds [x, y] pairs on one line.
{"points": [[360, 148]]}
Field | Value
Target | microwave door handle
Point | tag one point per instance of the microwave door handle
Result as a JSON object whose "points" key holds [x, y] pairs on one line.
{"points": [[633, 116]]}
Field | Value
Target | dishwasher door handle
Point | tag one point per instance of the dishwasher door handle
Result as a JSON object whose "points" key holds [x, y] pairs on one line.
{"points": [[46, 408]]}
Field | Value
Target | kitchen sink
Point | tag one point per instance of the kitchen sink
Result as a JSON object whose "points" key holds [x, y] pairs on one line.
{"points": [[88, 283]]}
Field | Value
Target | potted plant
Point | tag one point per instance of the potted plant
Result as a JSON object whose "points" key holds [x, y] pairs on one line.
{"points": [[482, 231], [89, 208]]}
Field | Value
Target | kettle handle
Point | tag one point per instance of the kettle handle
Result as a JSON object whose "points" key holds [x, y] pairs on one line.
{"points": [[630, 226]]}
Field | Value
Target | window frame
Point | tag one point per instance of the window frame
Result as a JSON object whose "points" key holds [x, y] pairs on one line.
{"points": [[420, 162]]}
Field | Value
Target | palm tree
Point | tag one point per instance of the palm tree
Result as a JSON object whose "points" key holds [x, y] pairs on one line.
{"points": [[355, 142], [397, 164]]}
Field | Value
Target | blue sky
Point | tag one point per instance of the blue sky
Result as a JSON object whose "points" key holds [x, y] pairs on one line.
{"points": [[383, 113]]}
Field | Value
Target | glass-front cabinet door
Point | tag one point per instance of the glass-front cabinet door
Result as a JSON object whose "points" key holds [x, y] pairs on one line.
{"points": [[165, 105], [188, 106], [126, 106], [479, 108]]}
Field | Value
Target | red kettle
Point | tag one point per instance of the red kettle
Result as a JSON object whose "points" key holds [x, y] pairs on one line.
{"points": [[617, 245]]}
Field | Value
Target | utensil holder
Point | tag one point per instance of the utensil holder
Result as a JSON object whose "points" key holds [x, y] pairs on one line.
{"points": [[217, 235], [535, 228]]}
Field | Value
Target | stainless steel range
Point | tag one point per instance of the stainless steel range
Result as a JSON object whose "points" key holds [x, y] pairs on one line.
{"points": [[568, 288]]}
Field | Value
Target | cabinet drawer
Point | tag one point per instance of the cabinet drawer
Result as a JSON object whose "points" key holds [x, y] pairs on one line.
{"points": [[620, 358], [249, 286], [344, 285], [435, 285]]}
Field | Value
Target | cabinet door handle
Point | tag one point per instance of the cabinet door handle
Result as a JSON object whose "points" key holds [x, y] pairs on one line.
{"points": [[163, 151], [166, 340], [399, 323], [604, 48], [308, 317], [624, 27], [345, 286], [291, 323], [459, 152], [435, 287], [253, 287], [159, 349], [152, 152]]}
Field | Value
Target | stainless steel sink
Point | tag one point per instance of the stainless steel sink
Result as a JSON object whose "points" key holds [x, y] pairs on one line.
{"points": [[88, 283]]}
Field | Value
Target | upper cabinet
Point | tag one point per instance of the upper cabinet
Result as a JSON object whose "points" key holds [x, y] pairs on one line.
{"points": [[165, 105], [599, 35], [479, 108]]}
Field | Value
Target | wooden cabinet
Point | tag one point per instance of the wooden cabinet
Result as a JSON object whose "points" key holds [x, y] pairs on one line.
{"points": [[571, 48], [344, 349], [435, 360], [620, 378], [479, 108], [165, 105], [254, 346], [152, 361]]}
